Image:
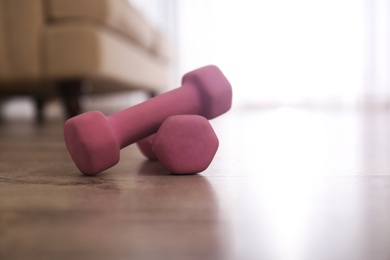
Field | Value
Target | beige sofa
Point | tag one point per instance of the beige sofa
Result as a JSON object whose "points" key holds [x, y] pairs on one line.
{"points": [[53, 47]]}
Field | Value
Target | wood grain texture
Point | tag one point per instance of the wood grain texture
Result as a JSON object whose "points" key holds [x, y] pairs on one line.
{"points": [[285, 184]]}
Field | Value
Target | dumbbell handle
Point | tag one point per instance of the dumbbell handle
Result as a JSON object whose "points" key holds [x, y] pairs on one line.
{"points": [[144, 119]]}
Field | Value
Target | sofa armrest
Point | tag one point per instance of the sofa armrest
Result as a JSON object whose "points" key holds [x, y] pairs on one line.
{"points": [[21, 24]]}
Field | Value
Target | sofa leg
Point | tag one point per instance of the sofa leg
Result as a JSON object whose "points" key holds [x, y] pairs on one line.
{"points": [[151, 94], [71, 92], [1, 112], [39, 107]]}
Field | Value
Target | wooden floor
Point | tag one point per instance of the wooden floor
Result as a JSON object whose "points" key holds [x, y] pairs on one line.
{"points": [[285, 184]]}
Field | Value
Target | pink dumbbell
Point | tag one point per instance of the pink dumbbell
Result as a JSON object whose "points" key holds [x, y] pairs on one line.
{"points": [[94, 140], [146, 147], [184, 144]]}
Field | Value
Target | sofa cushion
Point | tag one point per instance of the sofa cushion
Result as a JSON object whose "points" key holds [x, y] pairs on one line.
{"points": [[88, 52], [117, 14]]}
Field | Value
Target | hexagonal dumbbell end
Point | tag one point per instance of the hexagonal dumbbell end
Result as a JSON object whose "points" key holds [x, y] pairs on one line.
{"points": [[185, 144], [91, 142]]}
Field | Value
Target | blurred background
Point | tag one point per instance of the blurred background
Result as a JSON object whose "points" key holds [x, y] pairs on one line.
{"points": [[323, 53]]}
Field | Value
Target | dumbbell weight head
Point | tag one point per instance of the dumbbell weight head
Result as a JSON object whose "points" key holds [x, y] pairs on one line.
{"points": [[184, 144], [91, 142], [211, 84], [145, 146]]}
